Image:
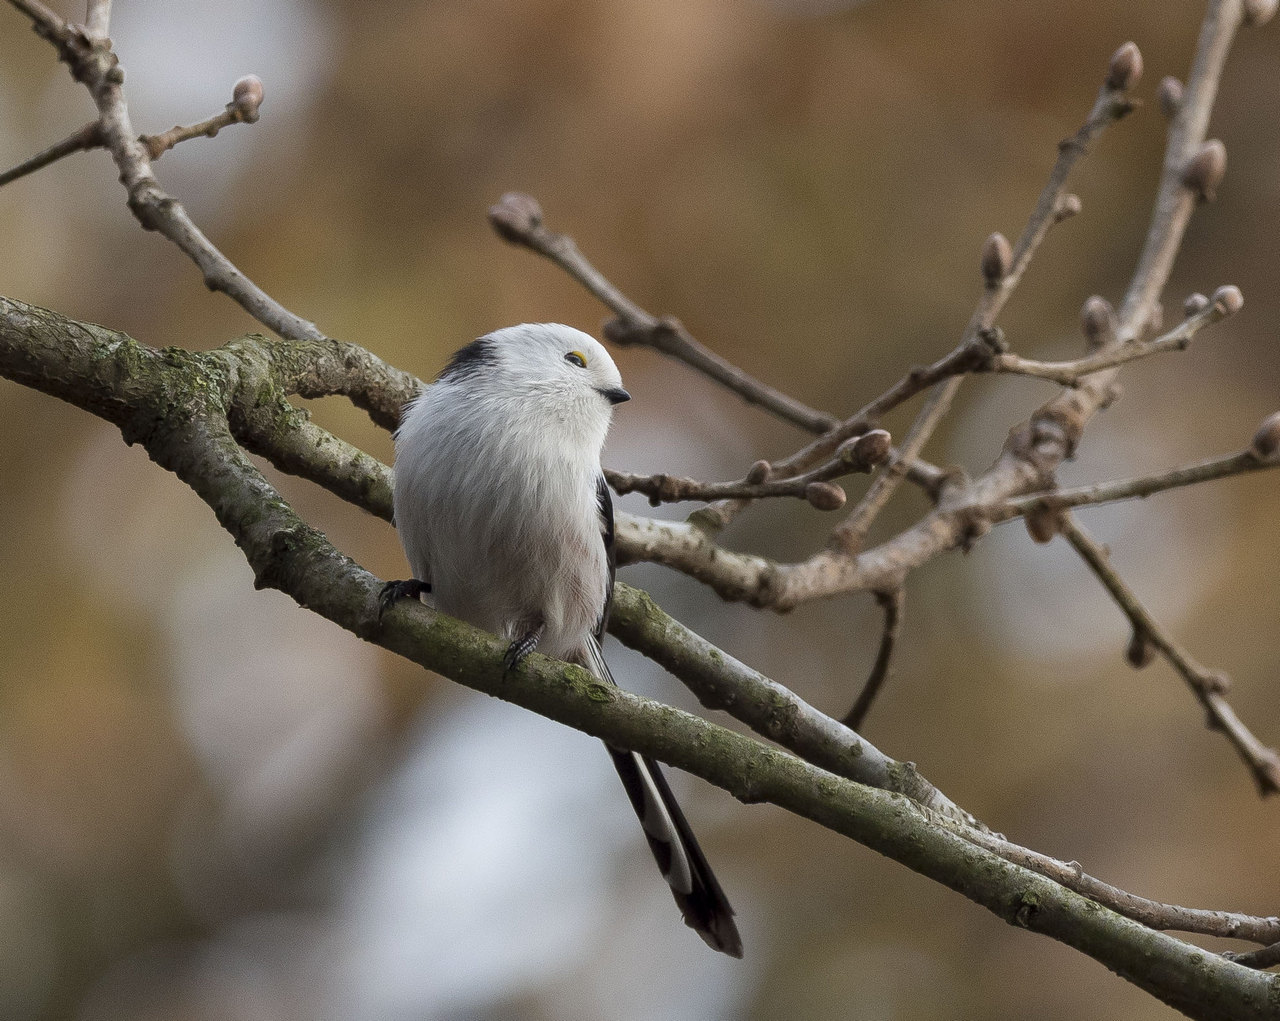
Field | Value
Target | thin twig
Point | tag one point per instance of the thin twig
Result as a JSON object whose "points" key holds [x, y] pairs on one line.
{"points": [[1267, 957], [1052, 207], [43, 18], [862, 454], [1240, 463], [243, 109], [1207, 685], [94, 64], [1226, 302], [892, 603], [849, 536], [88, 137], [518, 219], [1151, 913]]}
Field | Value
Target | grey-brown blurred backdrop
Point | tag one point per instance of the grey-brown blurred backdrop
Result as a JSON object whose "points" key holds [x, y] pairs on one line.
{"points": [[215, 805]]}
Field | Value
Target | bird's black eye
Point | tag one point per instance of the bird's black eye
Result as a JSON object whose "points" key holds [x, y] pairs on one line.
{"points": [[576, 358]]}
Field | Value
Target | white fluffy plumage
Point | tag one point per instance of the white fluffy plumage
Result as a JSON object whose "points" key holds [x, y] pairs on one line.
{"points": [[496, 498], [503, 512]]}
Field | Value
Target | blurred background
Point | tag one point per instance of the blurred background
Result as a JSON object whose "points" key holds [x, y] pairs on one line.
{"points": [[216, 805]]}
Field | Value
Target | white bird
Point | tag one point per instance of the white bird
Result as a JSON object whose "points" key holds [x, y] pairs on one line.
{"points": [[507, 523]]}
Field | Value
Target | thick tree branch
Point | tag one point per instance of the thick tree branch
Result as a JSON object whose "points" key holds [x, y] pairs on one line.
{"points": [[177, 405]]}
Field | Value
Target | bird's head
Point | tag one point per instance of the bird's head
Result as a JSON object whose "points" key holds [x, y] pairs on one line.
{"points": [[543, 361]]}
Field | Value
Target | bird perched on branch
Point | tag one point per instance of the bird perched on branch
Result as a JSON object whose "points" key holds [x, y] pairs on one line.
{"points": [[507, 523]]}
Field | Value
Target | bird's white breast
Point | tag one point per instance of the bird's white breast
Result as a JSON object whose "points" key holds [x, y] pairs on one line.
{"points": [[495, 501]]}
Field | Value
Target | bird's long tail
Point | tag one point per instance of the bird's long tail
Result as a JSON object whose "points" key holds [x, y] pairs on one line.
{"points": [[705, 908]]}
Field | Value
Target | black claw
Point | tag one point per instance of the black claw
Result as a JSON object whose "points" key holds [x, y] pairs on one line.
{"points": [[520, 648], [394, 591]]}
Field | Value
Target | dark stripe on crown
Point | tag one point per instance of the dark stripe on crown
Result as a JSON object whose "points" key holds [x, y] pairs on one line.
{"points": [[472, 359]]}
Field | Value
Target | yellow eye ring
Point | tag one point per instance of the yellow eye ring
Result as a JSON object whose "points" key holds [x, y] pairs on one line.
{"points": [[576, 358]]}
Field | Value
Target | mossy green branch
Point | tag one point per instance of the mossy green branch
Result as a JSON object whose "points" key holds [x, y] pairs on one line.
{"points": [[180, 406]]}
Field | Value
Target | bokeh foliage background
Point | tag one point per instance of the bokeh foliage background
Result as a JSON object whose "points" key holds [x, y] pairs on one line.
{"points": [[213, 804]]}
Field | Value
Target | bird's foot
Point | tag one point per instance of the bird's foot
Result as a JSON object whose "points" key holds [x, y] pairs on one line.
{"points": [[394, 591], [521, 647]]}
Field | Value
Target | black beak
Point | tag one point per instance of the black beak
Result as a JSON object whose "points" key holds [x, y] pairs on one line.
{"points": [[615, 395]]}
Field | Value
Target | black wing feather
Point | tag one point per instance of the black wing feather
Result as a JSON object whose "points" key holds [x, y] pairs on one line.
{"points": [[604, 500]]}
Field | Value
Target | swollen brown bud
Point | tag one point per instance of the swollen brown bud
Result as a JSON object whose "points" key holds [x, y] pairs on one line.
{"points": [[870, 450], [515, 216], [996, 256], [1043, 523], [824, 496], [1169, 94], [759, 472], [1205, 170], [1098, 321], [1228, 300], [873, 446], [1125, 68], [246, 97], [1195, 304], [1266, 441], [1259, 12], [1140, 651]]}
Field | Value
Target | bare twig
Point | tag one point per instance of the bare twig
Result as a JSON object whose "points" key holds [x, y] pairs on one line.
{"points": [[848, 536], [246, 98], [1267, 957], [1002, 271], [44, 19], [243, 109], [88, 137], [1053, 206], [860, 454], [1207, 685], [892, 603], [1151, 913], [93, 63], [518, 219], [1226, 301], [1241, 463]]}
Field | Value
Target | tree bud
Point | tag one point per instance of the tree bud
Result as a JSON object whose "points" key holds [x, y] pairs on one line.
{"points": [[1098, 321], [515, 216], [1228, 300], [1170, 94], [1140, 651], [873, 446], [996, 256], [1205, 170], [1266, 441], [1125, 68], [759, 472], [1042, 523], [867, 451], [824, 496], [1195, 304], [246, 97]]}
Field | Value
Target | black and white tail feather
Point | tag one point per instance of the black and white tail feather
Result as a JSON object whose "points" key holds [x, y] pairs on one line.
{"points": [[507, 522], [698, 894]]}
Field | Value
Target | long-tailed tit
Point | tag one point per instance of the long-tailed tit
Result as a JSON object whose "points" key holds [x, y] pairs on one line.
{"points": [[507, 522]]}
